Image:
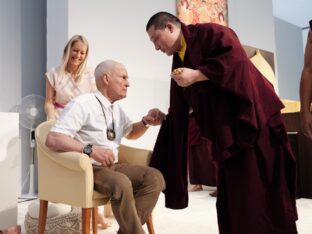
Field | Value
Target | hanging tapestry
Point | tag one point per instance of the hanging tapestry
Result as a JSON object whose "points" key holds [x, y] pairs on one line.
{"points": [[203, 11]]}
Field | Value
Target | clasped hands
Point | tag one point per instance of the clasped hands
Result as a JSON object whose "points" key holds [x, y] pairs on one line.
{"points": [[154, 117]]}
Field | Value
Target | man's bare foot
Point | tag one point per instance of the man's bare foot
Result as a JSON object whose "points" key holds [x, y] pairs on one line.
{"points": [[102, 223], [214, 193], [196, 187]]}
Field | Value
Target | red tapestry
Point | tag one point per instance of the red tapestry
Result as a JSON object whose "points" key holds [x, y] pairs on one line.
{"points": [[203, 11]]}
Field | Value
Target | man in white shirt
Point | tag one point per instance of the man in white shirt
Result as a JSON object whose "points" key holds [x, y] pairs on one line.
{"points": [[94, 124]]}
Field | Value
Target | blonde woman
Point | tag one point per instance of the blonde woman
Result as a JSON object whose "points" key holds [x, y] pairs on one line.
{"points": [[68, 80]]}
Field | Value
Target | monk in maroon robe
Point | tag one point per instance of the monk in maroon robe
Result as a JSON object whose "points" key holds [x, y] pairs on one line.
{"points": [[237, 109]]}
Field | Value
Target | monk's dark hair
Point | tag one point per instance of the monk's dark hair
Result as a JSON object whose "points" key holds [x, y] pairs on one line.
{"points": [[160, 19]]}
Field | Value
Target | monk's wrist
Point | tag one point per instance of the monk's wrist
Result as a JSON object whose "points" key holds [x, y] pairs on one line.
{"points": [[200, 76]]}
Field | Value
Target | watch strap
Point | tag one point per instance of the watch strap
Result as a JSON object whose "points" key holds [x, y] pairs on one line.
{"points": [[144, 123], [87, 149]]}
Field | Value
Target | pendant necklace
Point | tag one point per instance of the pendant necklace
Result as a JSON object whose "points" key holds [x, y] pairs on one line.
{"points": [[110, 133]]}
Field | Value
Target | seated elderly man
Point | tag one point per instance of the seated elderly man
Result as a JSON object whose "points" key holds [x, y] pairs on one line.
{"points": [[94, 124]]}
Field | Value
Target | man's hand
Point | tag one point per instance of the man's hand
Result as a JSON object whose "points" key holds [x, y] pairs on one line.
{"points": [[186, 76], [103, 155], [154, 117], [306, 123]]}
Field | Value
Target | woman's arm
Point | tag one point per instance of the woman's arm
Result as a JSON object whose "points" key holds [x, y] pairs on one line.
{"points": [[49, 101]]}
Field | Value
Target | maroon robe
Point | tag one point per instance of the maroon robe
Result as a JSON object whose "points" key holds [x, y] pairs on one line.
{"points": [[201, 167], [239, 112]]}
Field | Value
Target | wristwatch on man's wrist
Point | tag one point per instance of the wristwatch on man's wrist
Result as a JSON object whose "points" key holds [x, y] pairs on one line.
{"points": [[145, 124], [87, 149]]}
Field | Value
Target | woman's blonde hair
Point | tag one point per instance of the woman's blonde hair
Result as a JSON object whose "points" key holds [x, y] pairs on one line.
{"points": [[82, 67]]}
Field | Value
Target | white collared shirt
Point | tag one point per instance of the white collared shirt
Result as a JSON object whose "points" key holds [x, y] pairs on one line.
{"points": [[83, 119]]}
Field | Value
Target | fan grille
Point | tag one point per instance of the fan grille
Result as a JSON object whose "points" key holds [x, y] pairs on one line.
{"points": [[32, 111]]}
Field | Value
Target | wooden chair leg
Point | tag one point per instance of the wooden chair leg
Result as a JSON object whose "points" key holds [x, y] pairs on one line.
{"points": [[42, 216], [85, 220], [94, 219], [150, 226]]}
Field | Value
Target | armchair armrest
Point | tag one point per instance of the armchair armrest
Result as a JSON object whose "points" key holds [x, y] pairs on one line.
{"points": [[132, 155], [71, 160], [60, 175]]}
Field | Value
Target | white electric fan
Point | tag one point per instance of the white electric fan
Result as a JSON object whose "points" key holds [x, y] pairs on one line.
{"points": [[31, 114]]}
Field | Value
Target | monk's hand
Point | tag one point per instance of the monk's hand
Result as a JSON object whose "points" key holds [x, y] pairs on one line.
{"points": [[177, 71], [186, 76]]}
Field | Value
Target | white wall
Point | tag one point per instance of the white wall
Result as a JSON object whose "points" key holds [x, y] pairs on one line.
{"points": [[33, 50], [57, 30], [289, 51], [296, 12], [10, 50], [253, 22], [291, 18]]}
